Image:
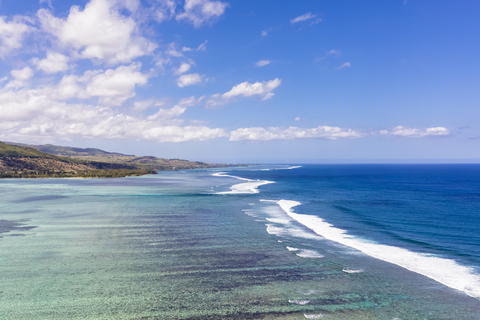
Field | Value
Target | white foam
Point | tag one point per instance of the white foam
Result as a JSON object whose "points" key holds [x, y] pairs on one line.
{"points": [[352, 270], [292, 249], [280, 221], [270, 169], [445, 271], [271, 229], [313, 316], [247, 187], [306, 253], [299, 302], [308, 292]]}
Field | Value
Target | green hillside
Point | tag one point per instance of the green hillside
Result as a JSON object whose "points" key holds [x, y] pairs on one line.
{"points": [[28, 162], [97, 155]]}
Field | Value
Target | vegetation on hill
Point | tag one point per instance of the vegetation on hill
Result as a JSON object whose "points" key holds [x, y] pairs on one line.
{"points": [[146, 162], [40, 161], [28, 162]]}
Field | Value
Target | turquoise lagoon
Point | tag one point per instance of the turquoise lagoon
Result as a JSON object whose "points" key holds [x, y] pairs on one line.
{"points": [[188, 245]]}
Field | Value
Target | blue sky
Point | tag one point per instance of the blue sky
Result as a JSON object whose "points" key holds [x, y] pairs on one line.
{"points": [[245, 81]]}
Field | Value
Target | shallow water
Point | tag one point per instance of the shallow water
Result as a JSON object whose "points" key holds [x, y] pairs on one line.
{"points": [[168, 246]]}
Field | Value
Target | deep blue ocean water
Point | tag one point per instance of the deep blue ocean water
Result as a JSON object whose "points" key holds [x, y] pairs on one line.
{"points": [[260, 242], [426, 208]]}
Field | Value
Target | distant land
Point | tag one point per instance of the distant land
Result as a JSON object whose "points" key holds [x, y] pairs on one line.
{"points": [[18, 160]]}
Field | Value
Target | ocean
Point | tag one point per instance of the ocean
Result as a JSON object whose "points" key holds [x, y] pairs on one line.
{"points": [[378, 241]]}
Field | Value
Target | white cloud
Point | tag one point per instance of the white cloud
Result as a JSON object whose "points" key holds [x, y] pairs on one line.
{"points": [[20, 77], [130, 5], [245, 89], [22, 74], [165, 10], [291, 133], [201, 47], [190, 101], [12, 35], [262, 63], [98, 32], [333, 51], [112, 87], [183, 134], [202, 11], [115, 86], [417, 133], [146, 104], [346, 64], [34, 115], [53, 63], [182, 69], [164, 114], [171, 51], [188, 79], [303, 17], [264, 33], [49, 2]]}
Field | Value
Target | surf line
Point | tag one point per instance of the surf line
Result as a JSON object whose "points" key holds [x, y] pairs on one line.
{"points": [[447, 272], [250, 186]]}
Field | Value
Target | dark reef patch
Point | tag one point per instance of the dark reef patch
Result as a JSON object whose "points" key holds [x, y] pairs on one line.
{"points": [[14, 225]]}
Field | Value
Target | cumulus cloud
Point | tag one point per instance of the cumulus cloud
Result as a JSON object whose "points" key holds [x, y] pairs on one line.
{"points": [[291, 133], [165, 114], [98, 32], [346, 64], [112, 87], [12, 35], [53, 63], [20, 77], [245, 89], [22, 74], [182, 69], [188, 79], [416, 133], [201, 12], [85, 104], [262, 63], [303, 17], [28, 114]]}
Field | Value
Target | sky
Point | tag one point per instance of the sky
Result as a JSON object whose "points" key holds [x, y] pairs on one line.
{"points": [[245, 81]]}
